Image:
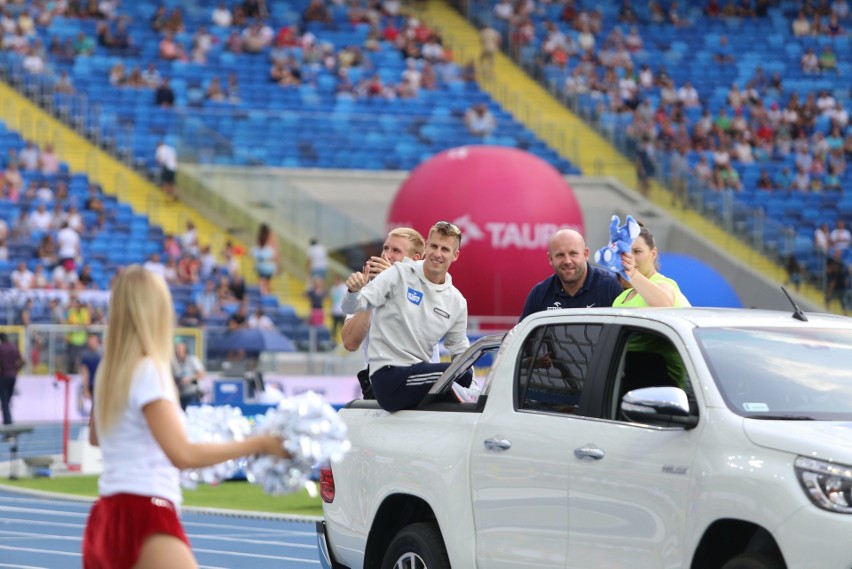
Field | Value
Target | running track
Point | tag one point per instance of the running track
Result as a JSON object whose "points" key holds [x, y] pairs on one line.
{"points": [[42, 531]]}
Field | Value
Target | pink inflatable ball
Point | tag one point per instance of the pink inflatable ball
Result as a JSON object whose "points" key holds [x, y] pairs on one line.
{"points": [[507, 204]]}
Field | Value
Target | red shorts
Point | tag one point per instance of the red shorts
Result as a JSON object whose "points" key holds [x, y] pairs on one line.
{"points": [[118, 526]]}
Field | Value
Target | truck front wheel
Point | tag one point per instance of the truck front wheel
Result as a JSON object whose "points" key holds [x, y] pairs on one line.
{"points": [[418, 546], [754, 561]]}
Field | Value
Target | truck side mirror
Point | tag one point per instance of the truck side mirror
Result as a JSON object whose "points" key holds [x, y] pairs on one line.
{"points": [[658, 406]]}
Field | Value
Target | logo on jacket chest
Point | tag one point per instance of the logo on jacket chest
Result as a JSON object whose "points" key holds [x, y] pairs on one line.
{"points": [[414, 296]]}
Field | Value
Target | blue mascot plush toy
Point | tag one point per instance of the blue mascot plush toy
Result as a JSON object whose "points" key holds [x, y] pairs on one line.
{"points": [[620, 241]]}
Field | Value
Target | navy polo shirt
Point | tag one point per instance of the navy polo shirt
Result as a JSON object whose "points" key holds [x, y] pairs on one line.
{"points": [[600, 288]]}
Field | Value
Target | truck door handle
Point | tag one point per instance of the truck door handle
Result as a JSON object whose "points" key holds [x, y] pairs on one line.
{"points": [[589, 453], [498, 443]]}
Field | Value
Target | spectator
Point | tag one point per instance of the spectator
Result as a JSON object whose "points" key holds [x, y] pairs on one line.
{"points": [[64, 277], [259, 320], [479, 120], [166, 158], [237, 286], [79, 316], [191, 317], [85, 279], [49, 161], [33, 62], [833, 28], [645, 165], [164, 96], [724, 54], [317, 294], [265, 254], [11, 363], [214, 91], [208, 265], [63, 84], [316, 12], [187, 371], [121, 39], [40, 219], [234, 42], [28, 157], [83, 45], [490, 40], [836, 281], [170, 273], [40, 281], [13, 177], [810, 62], [117, 75], [208, 301], [22, 277], [171, 247], [828, 61], [257, 37], [151, 77], [336, 293], [840, 237], [154, 265], [688, 95], [189, 239], [801, 26], [90, 359], [317, 259], [222, 16], [46, 252], [68, 242], [187, 269]]}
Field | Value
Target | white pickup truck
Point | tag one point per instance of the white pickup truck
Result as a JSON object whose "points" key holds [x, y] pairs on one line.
{"points": [[609, 438]]}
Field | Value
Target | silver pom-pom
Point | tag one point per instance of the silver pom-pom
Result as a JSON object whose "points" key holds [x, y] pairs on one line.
{"points": [[207, 424], [313, 433]]}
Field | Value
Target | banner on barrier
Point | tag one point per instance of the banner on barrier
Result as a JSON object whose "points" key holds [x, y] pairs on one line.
{"points": [[41, 398]]}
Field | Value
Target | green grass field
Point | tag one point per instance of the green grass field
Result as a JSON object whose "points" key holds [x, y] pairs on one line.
{"points": [[230, 495]]}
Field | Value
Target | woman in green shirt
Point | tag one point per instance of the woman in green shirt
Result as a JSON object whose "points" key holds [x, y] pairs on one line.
{"points": [[647, 287]]}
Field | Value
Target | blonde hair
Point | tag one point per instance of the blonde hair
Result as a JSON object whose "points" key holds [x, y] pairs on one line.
{"points": [[141, 324], [416, 243]]}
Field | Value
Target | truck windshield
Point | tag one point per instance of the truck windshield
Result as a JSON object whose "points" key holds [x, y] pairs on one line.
{"points": [[793, 373]]}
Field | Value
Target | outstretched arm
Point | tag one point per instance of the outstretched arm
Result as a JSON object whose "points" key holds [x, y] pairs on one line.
{"points": [[164, 423], [655, 294]]}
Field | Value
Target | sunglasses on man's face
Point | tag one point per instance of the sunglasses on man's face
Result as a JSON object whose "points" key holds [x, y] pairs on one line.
{"points": [[452, 228]]}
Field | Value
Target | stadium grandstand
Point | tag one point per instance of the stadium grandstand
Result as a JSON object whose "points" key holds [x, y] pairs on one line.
{"points": [[731, 117]]}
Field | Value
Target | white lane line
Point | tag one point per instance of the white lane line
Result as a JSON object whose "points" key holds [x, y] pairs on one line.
{"points": [[22, 566], [46, 551], [42, 523], [51, 513], [255, 555], [198, 537], [25, 534]]}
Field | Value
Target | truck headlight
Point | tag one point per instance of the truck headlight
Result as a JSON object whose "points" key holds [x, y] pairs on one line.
{"points": [[828, 485]]}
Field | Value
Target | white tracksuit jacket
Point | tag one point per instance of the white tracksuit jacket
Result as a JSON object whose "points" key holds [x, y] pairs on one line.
{"points": [[411, 315]]}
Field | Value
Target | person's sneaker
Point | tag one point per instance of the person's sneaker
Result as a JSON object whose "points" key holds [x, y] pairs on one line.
{"points": [[465, 394]]}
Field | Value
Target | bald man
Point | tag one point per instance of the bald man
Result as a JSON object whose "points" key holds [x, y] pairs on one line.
{"points": [[575, 283]]}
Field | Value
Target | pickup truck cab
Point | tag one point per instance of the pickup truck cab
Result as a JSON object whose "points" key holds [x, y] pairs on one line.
{"points": [[641, 438]]}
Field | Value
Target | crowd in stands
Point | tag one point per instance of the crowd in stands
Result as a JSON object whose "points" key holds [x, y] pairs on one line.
{"points": [[747, 98], [295, 54], [51, 272], [366, 58]]}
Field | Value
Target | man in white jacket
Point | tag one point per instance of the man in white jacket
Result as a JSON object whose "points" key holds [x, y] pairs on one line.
{"points": [[415, 306]]}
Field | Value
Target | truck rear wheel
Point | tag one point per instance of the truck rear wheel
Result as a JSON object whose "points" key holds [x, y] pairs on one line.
{"points": [[754, 561], [418, 546]]}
